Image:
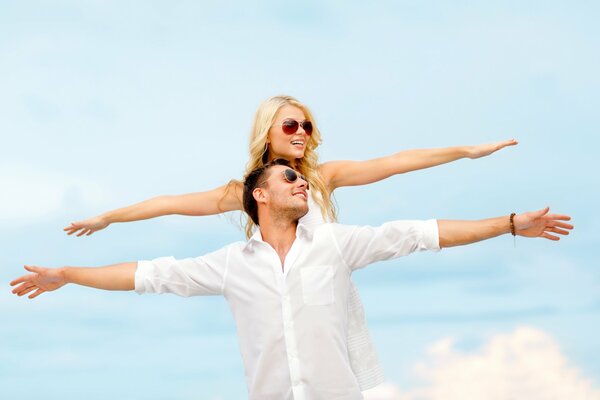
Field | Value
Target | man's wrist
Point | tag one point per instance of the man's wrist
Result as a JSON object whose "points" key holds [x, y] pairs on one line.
{"points": [[511, 222], [64, 273]]}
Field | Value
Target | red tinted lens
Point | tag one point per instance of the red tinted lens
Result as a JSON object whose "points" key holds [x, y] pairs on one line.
{"points": [[307, 126], [290, 126]]}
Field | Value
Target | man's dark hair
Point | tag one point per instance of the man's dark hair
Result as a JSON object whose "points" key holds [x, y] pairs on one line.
{"points": [[253, 180]]}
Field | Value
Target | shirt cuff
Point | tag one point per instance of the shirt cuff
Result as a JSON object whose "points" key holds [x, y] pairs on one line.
{"points": [[143, 269], [431, 235]]}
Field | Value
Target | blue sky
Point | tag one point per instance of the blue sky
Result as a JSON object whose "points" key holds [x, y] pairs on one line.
{"points": [[103, 104]]}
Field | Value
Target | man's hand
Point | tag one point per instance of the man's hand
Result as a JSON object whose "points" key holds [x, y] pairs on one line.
{"points": [[541, 224], [41, 280]]}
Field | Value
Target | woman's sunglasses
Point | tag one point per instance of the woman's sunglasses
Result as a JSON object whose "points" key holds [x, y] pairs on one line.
{"points": [[290, 126]]}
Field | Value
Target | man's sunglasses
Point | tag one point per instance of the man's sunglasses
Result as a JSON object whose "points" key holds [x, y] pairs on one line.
{"points": [[292, 176], [290, 126]]}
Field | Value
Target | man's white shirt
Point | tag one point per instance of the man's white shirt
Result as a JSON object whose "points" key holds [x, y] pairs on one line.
{"points": [[292, 320]]}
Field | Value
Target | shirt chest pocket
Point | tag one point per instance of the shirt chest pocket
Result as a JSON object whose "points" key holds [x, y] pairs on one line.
{"points": [[317, 285]]}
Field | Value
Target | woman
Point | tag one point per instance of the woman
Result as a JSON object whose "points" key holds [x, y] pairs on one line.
{"points": [[284, 128]]}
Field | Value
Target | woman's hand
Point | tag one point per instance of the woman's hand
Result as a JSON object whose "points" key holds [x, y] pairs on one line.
{"points": [[87, 227], [222, 199], [483, 150], [352, 173]]}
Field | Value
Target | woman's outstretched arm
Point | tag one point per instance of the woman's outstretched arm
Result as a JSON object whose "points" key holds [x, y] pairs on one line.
{"points": [[353, 173], [216, 201]]}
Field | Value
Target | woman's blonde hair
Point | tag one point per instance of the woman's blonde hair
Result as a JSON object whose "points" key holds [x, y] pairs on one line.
{"points": [[307, 166]]}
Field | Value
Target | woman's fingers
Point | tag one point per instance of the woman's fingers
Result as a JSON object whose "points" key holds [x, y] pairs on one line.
{"points": [[83, 232], [484, 150], [74, 227], [80, 228], [71, 227], [511, 142]]}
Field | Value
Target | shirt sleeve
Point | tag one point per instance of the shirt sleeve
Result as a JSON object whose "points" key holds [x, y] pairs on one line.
{"points": [[362, 245], [204, 275]]}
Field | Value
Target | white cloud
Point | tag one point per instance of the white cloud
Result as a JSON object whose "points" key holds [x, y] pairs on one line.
{"points": [[385, 391], [525, 364], [30, 193]]}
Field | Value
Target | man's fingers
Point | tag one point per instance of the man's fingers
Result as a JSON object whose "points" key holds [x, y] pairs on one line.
{"points": [[542, 212], [19, 280], [33, 268], [557, 230], [558, 217], [561, 225], [19, 287], [24, 278], [549, 236], [23, 287], [27, 290], [28, 277], [36, 293]]}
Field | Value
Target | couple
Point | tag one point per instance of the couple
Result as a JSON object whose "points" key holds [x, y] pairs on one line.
{"points": [[289, 285]]}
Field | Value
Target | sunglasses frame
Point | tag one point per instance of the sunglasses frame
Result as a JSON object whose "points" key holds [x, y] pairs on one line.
{"points": [[306, 125], [296, 176], [289, 180]]}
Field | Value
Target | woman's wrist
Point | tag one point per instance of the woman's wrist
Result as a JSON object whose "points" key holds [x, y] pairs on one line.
{"points": [[108, 217], [469, 152]]}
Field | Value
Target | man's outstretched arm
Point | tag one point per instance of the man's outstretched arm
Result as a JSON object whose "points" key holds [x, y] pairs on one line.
{"points": [[530, 224], [112, 277]]}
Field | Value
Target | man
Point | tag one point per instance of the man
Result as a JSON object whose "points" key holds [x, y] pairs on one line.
{"points": [[288, 286]]}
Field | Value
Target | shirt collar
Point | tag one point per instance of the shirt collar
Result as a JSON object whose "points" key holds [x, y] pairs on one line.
{"points": [[302, 231]]}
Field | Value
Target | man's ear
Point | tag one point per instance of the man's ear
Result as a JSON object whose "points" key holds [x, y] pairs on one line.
{"points": [[260, 195]]}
